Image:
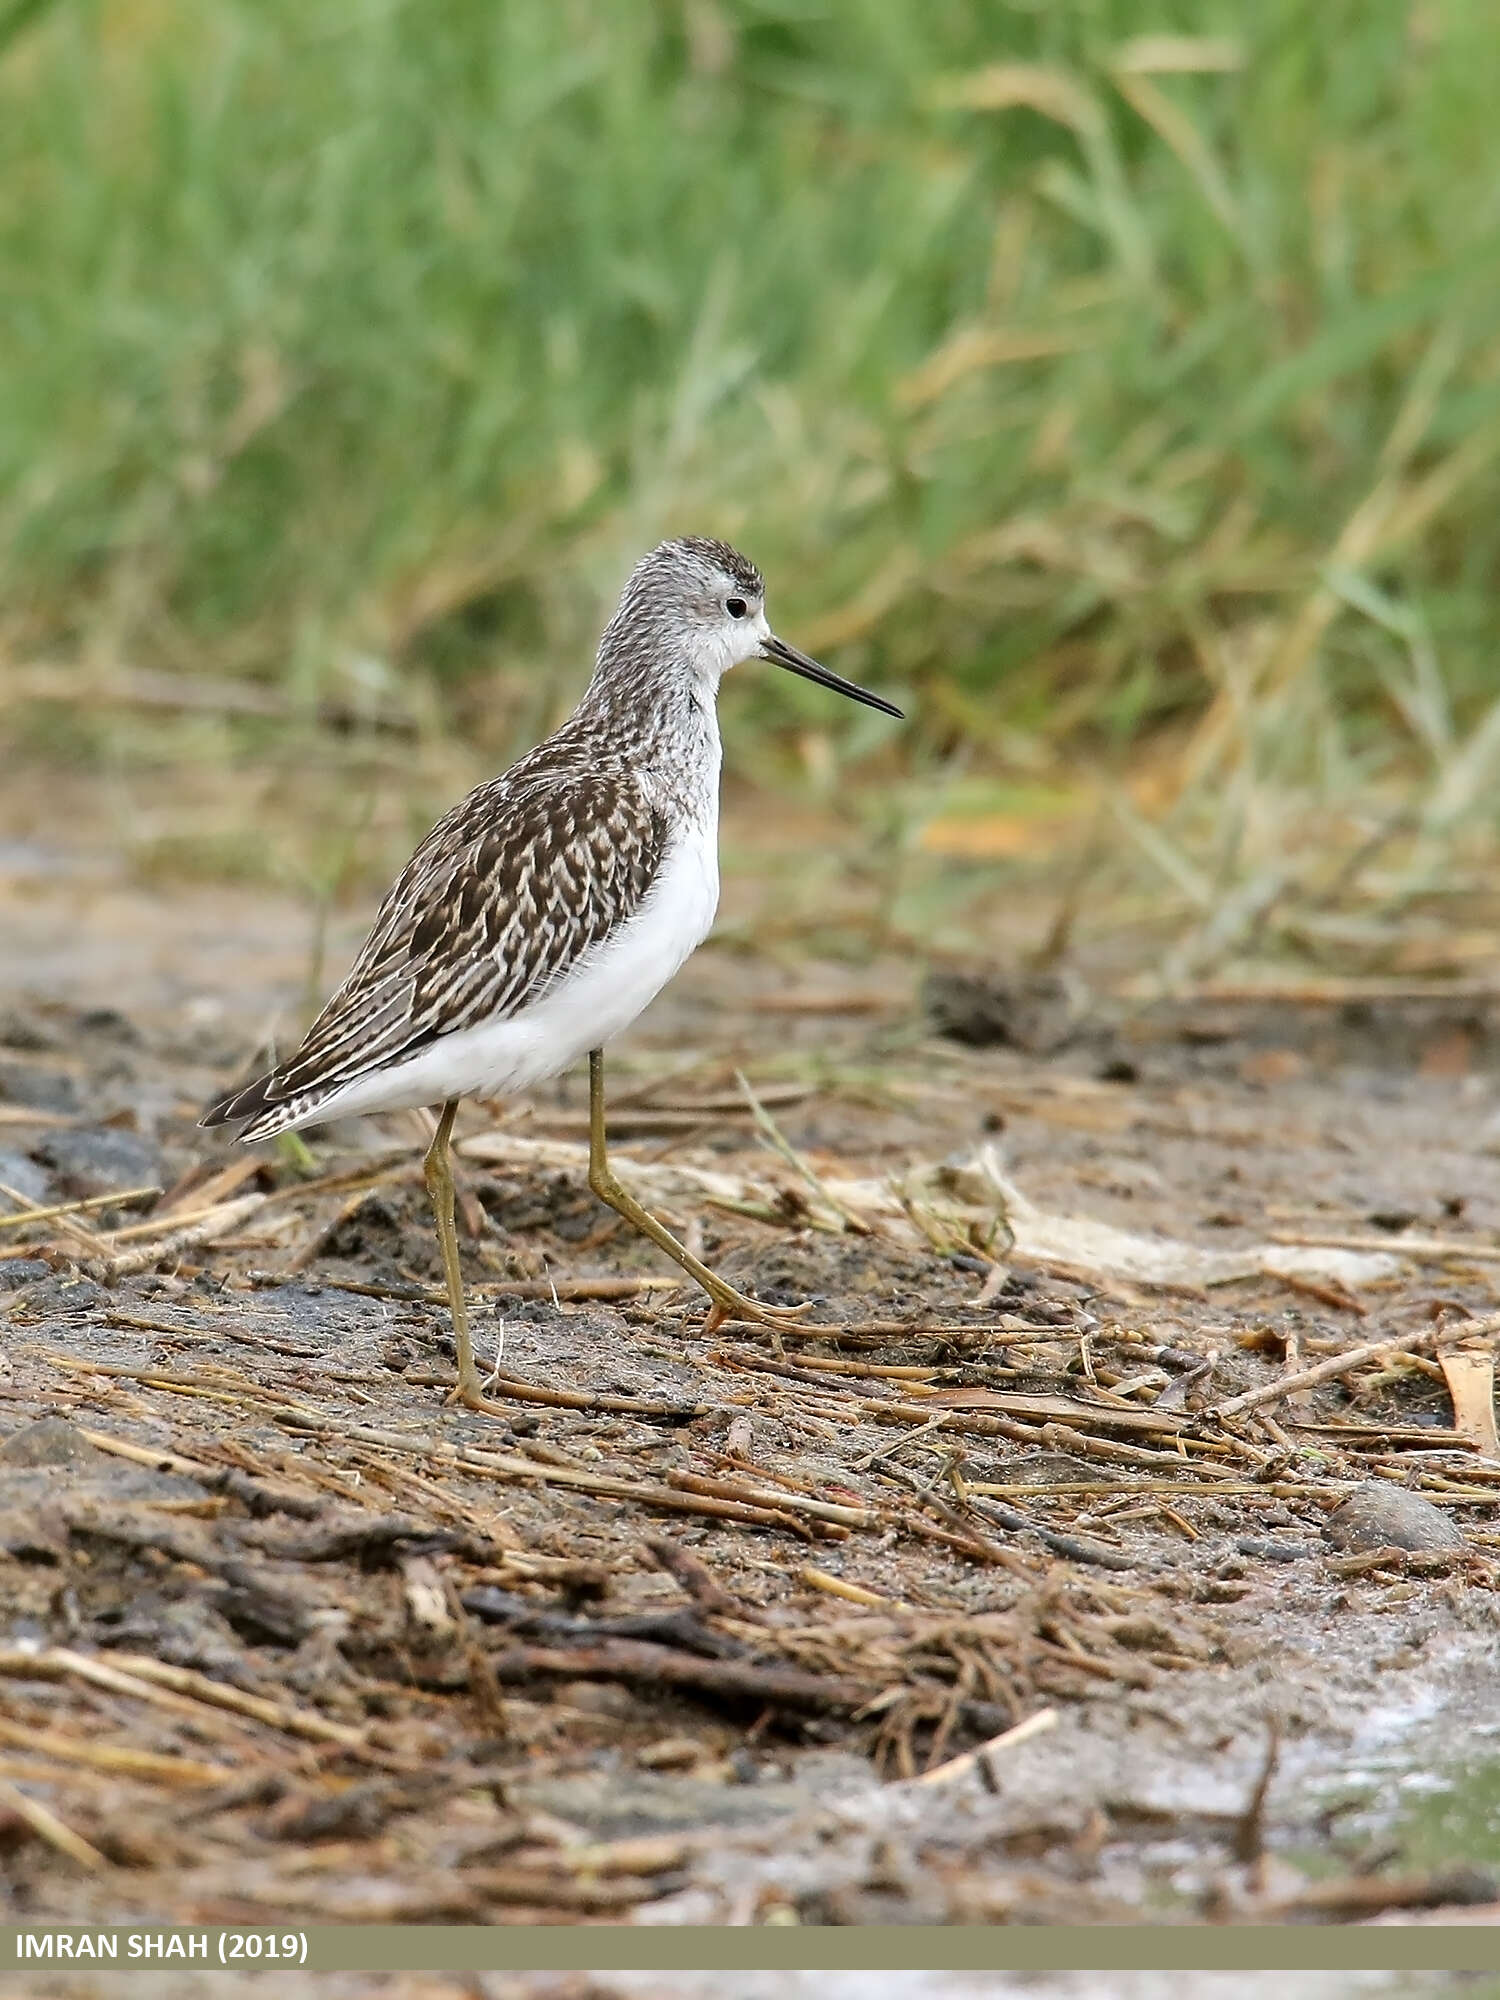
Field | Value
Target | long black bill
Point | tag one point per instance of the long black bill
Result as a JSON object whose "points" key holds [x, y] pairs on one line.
{"points": [[787, 656]]}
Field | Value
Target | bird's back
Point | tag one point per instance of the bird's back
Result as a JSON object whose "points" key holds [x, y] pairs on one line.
{"points": [[522, 881]]}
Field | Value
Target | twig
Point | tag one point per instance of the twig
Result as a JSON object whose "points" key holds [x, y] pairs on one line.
{"points": [[853, 1593], [184, 1235], [580, 1399], [1250, 1832], [694, 1575], [547, 1889], [1008, 1739], [47, 1826], [1354, 1357], [171, 1770], [66, 1208], [681, 1629], [1438, 1248], [1073, 1547], [783, 1147], [640, 1664], [1363, 1895]]}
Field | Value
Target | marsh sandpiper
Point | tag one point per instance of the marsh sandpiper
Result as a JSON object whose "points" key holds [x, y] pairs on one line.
{"points": [[544, 912]]}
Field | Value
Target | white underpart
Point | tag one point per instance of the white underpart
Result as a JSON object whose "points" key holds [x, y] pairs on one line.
{"points": [[587, 1007]]}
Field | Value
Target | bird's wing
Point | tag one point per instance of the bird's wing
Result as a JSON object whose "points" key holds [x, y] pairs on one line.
{"points": [[511, 889]]}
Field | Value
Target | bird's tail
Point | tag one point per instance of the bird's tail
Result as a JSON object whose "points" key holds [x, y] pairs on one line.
{"points": [[264, 1107]]}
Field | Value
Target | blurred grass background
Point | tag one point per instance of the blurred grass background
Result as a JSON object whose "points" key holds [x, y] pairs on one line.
{"points": [[1115, 382]]}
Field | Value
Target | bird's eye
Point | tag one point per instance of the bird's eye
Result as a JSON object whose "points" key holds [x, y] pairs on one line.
{"points": [[736, 606]]}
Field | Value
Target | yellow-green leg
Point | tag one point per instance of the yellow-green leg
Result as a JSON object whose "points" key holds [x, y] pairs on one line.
{"points": [[437, 1171], [724, 1301]]}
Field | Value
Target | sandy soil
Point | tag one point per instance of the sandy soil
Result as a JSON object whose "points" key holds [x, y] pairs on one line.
{"points": [[709, 1628]]}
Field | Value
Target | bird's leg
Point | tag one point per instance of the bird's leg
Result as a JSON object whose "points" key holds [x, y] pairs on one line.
{"points": [[724, 1301], [437, 1171]]}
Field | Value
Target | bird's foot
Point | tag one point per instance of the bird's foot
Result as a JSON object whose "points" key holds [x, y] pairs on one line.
{"points": [[471, 1395], [725, 1303]]}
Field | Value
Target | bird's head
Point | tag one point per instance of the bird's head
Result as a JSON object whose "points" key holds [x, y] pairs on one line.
{"points": [[700, 603]]}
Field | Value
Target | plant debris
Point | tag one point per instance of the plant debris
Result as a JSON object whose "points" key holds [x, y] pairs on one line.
{"points": [[713, 1628]]}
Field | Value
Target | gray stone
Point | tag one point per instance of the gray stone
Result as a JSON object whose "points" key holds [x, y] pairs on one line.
{"points": [[619, 1803], [99, 1160], [18, 1271], [50, 1441], [38, 1089], [989, 1005], [25, 1176], [1377, 1516]]}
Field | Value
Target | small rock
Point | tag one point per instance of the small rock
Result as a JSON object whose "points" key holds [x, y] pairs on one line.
{"points": [[66, 1296], [50, 1441], [990, 1006], [19, 1271], [596, 1698], [38, 1089], [24, 1031], [1377, 1516], [110, 1025], [35, 1534], [371, 1230], [99, 1160], [1048, 1468], [25, 1176]]}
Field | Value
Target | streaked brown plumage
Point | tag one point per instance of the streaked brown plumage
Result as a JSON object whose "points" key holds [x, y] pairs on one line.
{"points": [[543, 913]]}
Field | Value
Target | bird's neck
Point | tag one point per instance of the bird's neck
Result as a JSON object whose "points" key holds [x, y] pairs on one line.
{"points": [[667, 716]]}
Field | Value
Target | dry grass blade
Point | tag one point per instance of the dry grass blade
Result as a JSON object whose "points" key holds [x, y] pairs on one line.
{"points": [[817, 1510], [177, 1688], [852, 1593], [722, 1500], [1438, 1249], [117, 1757], [766, 1125], [275, 1714], [60, 1210], [1355, 1357], [185, 1233], [47, 1826], [1471, 1384], [25, 1114], [1178, 131], [1008, 1739], [259, 1495]]}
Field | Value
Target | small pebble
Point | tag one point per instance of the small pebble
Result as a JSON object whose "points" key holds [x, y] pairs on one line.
{"points": [[38, 1089], [26, 1177], [1377, 1516], [19, 1271], [49, 1441], [99, 1160]]}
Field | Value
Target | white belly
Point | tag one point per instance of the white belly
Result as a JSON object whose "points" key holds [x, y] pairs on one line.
{"points": [[583, 1010]]}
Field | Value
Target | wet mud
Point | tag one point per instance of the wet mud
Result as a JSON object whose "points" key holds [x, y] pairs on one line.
{"points": [[1013, 1585]]}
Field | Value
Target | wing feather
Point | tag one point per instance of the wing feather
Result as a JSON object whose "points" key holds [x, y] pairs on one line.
{"points": [[510, 889]]}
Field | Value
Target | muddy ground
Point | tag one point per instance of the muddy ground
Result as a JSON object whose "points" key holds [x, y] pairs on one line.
{"points": [[718, 1628]]}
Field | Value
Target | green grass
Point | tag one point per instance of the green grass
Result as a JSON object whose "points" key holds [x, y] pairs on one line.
{"points": [[1076, 383]]}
